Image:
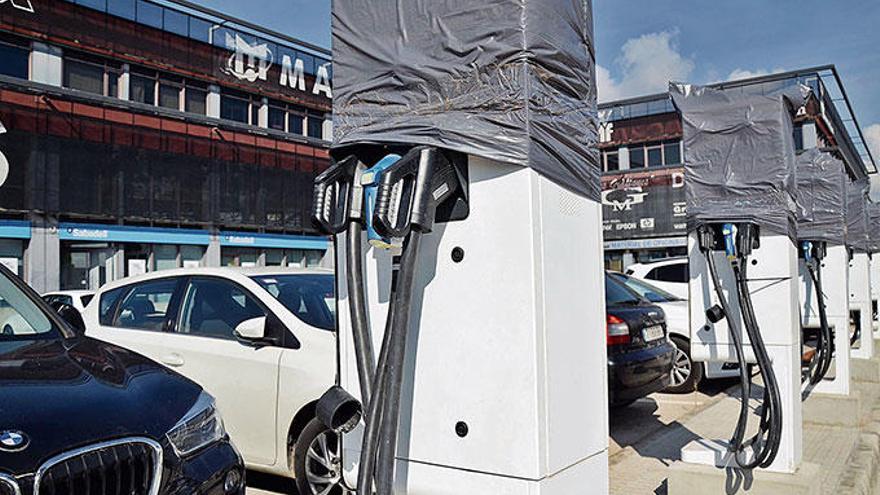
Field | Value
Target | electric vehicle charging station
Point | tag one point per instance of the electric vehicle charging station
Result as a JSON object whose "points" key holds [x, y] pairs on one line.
{"points": [[874, 216], [466, 143], [740, 178], [858, 241], [823, 266]]}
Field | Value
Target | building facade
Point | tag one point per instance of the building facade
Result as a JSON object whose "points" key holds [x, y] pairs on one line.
{"points": [[141, 135], [644, 203]]}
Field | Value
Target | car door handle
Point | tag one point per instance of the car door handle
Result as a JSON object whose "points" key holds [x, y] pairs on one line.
{"points": [[173, 359]]}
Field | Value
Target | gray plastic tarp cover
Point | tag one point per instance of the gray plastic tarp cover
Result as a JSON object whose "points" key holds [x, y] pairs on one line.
{"points": [[874, 226], [508, 80], [739, 157], [857, 221], [821, 197]]}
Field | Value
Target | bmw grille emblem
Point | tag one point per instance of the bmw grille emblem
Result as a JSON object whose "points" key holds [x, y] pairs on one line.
{"points": [[13, 441]]}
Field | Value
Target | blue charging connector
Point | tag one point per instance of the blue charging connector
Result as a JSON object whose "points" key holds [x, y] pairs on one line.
{"points": [[370, 180], [807, 248], [729, 230]]}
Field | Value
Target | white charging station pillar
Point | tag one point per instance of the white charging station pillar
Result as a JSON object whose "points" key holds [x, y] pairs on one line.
{"points": [[774, 285], [875, 289], [860, 303], [509, 346], [835, 285]]}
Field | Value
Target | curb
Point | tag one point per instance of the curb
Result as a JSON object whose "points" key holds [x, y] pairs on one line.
{"points": [[860, 477]]}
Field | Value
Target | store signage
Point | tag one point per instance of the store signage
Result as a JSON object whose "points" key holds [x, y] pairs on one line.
{"points": [[84, 233], [251, 63], [644, 204], [23, 5], [241, 240], [4, 163]]}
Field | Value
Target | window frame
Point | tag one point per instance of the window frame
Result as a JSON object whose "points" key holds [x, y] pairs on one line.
{"points": [[171, 312], [175, 326]]}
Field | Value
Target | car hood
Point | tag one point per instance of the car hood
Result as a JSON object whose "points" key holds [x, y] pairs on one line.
{"points": [[71, 393]]}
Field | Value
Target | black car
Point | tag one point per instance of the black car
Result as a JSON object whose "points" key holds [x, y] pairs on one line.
{"points": [[79, 416], [640, 356]]}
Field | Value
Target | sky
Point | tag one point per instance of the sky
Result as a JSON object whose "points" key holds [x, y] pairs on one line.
{"points": [[642, 44]]}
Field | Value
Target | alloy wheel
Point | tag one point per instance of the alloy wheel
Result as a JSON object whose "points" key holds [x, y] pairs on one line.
{"points": [[324, 465], [681, 369]]}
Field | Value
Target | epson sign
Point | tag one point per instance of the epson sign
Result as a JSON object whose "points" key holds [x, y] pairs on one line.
{"points": [[251, 63]]}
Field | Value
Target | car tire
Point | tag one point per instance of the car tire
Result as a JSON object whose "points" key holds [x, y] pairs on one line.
{"points": [[686, 374], [317, 463]]}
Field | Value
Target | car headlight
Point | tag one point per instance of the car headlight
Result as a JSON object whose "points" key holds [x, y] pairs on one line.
{"points": [[199, 427]]}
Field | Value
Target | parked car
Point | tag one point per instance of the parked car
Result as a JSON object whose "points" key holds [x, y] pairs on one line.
{"points": [[671, 275], [640, 355], [686, 374], [262, 342], [78, 411], [77, 299]]}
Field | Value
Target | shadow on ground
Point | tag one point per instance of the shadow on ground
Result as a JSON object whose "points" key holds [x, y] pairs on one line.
{"points": [[271, 483]]}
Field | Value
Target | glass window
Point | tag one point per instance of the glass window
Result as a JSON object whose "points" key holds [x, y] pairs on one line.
{"points": [[215, 307], [316, 126], [655, 156], [85, 300], [146, 305], [276, 118], [274, 257], [169, 96], [677, 272], [645, 290], [295, 258], [255, 114], [192, 256], [113, 84], [83, 76], [295, 122], [313, 258], [798, 133], [166, 257], [234, 109], [612, 161], [20, 317], [93, 4], [199, 29], [149, 14], [143, 89], [637, 157], [312, 298], [196, 101], [13, 61], [176, 22], [617, 293], [672, 153], [108, 304], [121, 8]]}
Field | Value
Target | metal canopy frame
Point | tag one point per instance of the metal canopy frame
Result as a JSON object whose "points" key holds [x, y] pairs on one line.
{"points": [[853, 147]]}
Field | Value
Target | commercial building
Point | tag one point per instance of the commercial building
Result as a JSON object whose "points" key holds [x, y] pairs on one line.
{"points": [[140, 135], [644, 204]]}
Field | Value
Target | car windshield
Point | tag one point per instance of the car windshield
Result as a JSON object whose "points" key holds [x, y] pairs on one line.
{"points": [[311, 297], [646, 290], [617, 293], [20, 317]]}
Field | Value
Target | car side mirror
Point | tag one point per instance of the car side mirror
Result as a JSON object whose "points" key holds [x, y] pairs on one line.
{"points": [[71, 316], [253, 330]]}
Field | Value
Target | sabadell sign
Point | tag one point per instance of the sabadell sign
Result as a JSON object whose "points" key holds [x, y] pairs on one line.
{"points": [[251, 63], [23, 5]]}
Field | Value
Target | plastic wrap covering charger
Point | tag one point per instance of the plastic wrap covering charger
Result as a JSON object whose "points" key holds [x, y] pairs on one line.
{"points": [[508, 80], [739, 156], [821, 197], [857, 221], [874, 227]]}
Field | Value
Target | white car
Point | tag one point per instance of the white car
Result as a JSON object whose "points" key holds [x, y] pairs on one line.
{"points": [[78, 299], [671, 275], [685, 375], [262, 342]]}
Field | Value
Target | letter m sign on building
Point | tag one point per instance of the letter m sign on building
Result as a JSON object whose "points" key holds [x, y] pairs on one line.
{"points": [[24, 5]]}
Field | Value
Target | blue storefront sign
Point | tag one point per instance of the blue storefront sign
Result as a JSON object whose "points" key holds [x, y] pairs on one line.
{"points": [[130, 234], [273, 241], [15, 229]]}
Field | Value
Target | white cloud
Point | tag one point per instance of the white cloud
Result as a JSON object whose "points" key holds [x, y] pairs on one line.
{"points": [[740, 73], [872, 136], [646, 64]]}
